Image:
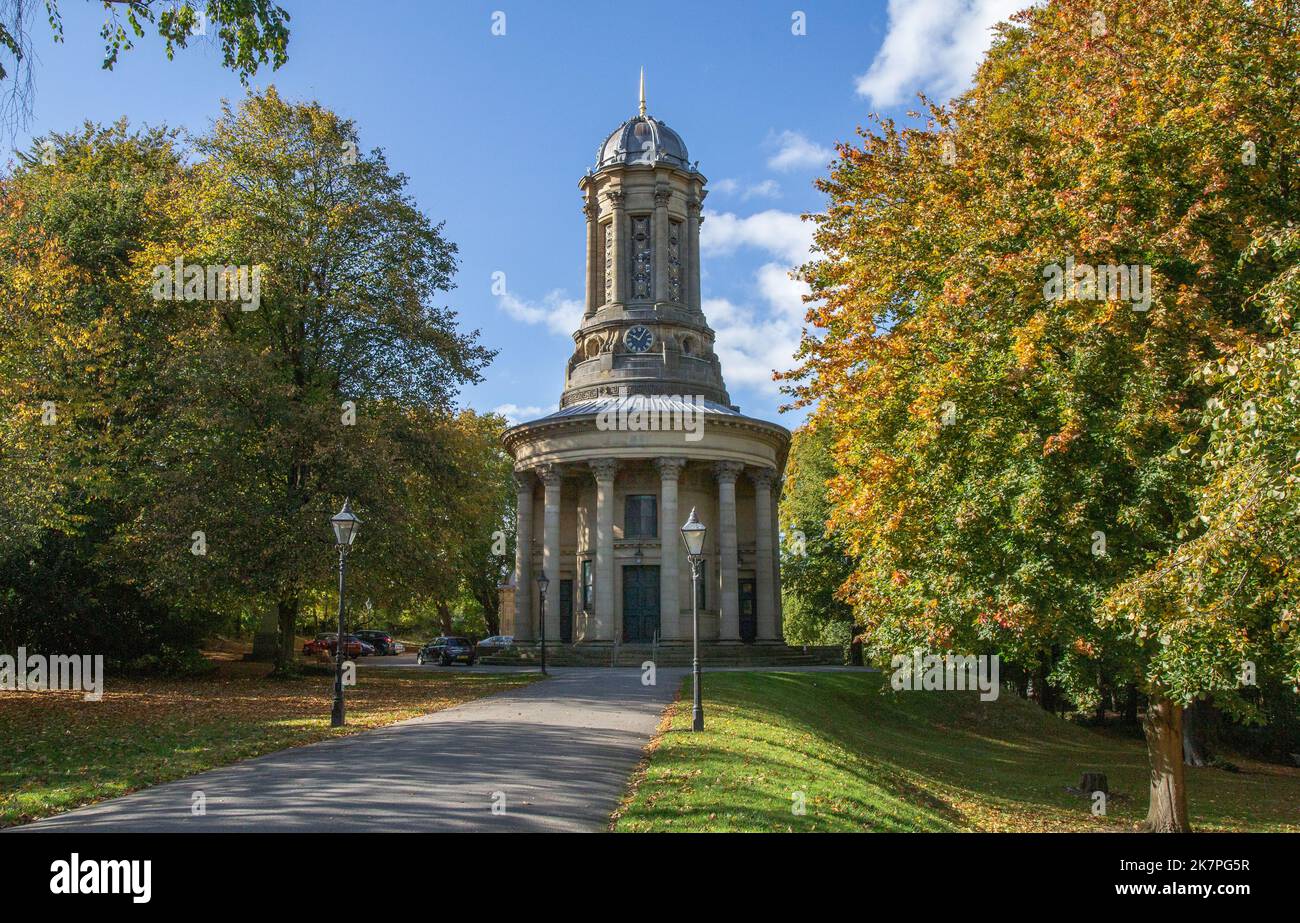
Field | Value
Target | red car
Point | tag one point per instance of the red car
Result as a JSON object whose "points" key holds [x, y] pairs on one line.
{"points": [[324, 645]]}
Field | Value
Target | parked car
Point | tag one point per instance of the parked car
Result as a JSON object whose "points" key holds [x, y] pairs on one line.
{"points": [[326, 644], [495, 645], [383, 643], [355, 647], [447, 651], [318, 645]]}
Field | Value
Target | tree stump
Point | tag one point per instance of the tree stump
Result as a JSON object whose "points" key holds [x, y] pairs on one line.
{"points": [[1093, 782]]}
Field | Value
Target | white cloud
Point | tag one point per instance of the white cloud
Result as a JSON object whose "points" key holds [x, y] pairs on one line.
{"points": [[932, 46], [782, 234], [558, 313], [794, 152], [753, 339], [515, 414], [767, 189]]}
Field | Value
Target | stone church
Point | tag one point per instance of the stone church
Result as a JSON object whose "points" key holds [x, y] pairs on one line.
{"points": [[645, 432]]}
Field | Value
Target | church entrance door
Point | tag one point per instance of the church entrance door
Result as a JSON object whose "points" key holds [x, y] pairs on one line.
{"points": [[748, 612], [566, 611], [640, 603]]}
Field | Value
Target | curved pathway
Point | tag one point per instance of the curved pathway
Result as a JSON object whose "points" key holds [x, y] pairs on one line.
{"points": [[554, 755]]}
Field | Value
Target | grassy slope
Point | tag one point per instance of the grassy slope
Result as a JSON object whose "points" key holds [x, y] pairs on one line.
{"points": [[61, 752], [868, 759]]}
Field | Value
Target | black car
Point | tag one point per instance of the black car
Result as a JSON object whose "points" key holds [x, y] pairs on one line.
{"points": [[447, 651], [381, 641]]}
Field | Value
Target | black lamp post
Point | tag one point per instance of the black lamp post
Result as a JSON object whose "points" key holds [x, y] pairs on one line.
{"points": [[693, 532], [345, 525], [542, 583]]}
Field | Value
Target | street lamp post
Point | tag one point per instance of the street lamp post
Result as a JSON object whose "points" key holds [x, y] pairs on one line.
{"points": [[693, 532], [345, 525], [542, 583]]}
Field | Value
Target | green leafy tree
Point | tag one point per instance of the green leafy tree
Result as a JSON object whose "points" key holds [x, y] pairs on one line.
{"points": [[336, 380], [814, 562], [250, 33]]}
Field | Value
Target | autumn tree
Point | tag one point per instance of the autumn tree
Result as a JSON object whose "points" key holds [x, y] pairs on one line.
{"points": [[78, 395], [1026, 467]]}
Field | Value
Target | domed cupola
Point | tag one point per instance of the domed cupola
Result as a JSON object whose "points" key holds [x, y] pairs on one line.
{"points": [[643, 140]]}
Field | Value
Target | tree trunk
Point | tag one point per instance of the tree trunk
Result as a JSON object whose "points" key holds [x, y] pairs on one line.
{"points": [[855, 648], [1099, 716], [1043, 694], [1131, 704], [444, 617], [1198, 728], [288, 614], [1163, 726]]}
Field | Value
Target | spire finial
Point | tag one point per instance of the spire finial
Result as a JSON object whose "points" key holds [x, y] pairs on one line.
{"points": [[642, 92]]}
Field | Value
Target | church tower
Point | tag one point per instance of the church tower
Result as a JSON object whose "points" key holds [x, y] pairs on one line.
{"points": [[645, 433], [642, 328]]}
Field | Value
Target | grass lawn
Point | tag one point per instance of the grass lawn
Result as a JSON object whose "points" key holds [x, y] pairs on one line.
{"points": [[867, 758], [61, 752]]}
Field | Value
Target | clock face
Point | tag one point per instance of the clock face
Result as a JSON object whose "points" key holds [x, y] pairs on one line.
{"points": [[638, 339]]}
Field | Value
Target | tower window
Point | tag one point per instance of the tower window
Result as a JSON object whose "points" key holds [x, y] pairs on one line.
{"points": [[640, 516], [642, 256]]}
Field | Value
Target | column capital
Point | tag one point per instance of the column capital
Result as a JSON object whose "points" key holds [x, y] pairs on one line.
{"points": [[615, 197], [524, 479], [670, 467], [604, 469], [590, 208], [550, 475], [762, 477], [662, 196], [727, 471]]}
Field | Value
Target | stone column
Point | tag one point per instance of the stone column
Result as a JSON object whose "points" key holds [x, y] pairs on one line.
{"points": [[765, 582], [604, 470], [551, 478], [524, 557], [619, 255], [595, 286], [729, 558], [661, 244], [694, 221], [776, 564], [670, 547]]}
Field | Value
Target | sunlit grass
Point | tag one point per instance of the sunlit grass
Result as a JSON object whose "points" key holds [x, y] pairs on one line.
{"points": [[859, 757]]}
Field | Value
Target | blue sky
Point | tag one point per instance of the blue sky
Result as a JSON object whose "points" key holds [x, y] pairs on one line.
{"points": [[495, 131]]}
